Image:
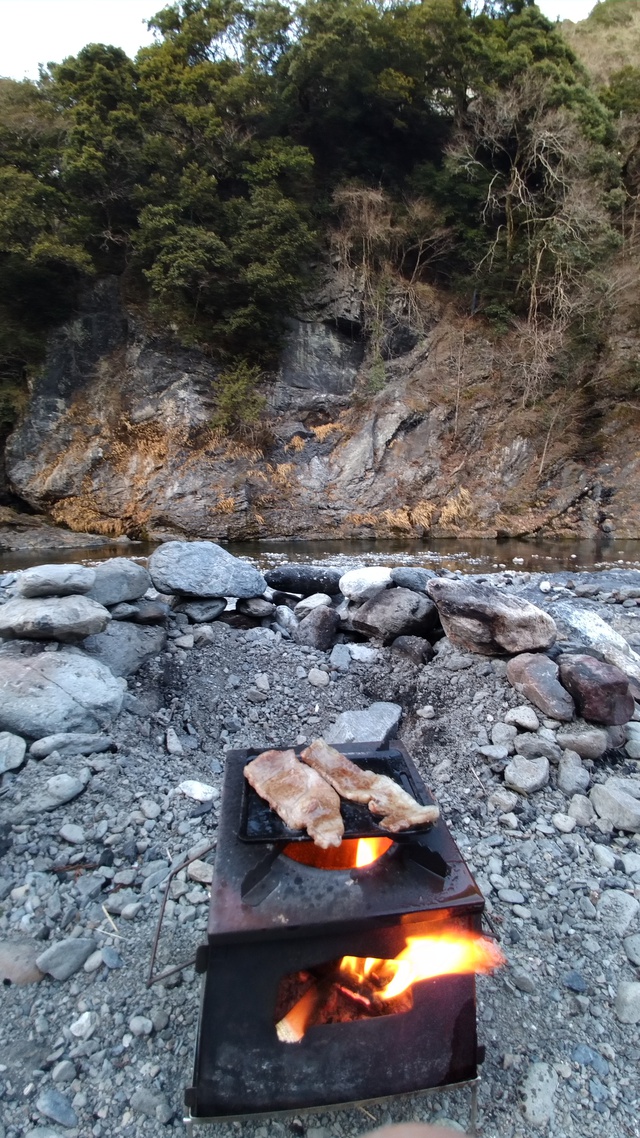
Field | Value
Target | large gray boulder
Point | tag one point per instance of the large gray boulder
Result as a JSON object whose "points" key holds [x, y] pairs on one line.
{"points": [[119, 579], [203, 569], [585, 628], [55, 581], [52, 618], [536, 677], [318, 629], [412, 577], [481, 618], [56, 692], [124, 647], [361, 584], [395, 612]]}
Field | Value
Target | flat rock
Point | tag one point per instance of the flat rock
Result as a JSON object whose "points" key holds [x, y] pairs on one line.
{"points": [[481, 618], [532, 746], [124, 647], [66, 957], [340, 657], [601, 691], [52, 618], [581, 809], [56, 692], [259, 607], [573, 778], [523, 717], [362, 584], [119, 579], [12, 751], [617, 801], [308, 604], [632, 948], [56, 1106], [70, 743], [57, 791], [55, 581], [318, 629], [412, 577], [149, 612], [395, 612], [202, 612], [73, 834], [363, 653], [317, 678], [565, 823], [628, 1002], [539, 1088], [526, 775], [617, 910], [18, 962], [588, 742], [536, 678], [376, 724], [304, 579], [414, 648], [203, 569]]}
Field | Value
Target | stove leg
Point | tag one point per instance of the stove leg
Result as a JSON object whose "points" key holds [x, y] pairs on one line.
{"points": [[473, 1113]]}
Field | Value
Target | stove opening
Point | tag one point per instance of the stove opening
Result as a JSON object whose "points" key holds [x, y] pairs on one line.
{"points": [[352, 853], [355, 987]]}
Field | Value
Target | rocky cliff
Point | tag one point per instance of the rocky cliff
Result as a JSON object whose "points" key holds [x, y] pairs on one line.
{"points": [[117, 437]]}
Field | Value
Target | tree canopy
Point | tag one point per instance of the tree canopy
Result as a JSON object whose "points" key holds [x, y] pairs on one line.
{"points": [[210, 170]]}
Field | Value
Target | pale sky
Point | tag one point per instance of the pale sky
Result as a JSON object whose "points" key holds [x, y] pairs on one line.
{"points": [[43, 31]]}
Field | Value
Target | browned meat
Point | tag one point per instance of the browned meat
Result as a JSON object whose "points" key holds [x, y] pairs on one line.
{"points": [[380, 793], [298, 795]]}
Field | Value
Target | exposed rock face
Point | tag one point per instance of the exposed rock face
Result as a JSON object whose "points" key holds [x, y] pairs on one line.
{"points": [[601, 691], [395, 612], [304, 579], [56, 692], [52, 618], [536, 678], [482, 619], [55, 581], [203, 569]]}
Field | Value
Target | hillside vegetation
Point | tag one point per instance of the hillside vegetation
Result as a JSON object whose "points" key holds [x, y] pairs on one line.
{"points": [[432, 143]]}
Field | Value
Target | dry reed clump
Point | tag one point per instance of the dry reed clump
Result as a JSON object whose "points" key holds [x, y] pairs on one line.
{"points": [[280, 474], [297, 443], [225, 506], [456, 509], [406, 518], [322, 432]]}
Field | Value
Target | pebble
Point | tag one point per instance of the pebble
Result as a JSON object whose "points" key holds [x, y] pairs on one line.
{"points": [[539, 1089], [527, 775], [140, 1025], [153, 1104], [575, 982], [200, 871], [628, 1002], [617, 910], [632, 948], [111, 957], [64, 1072], [511, 896], [56, 1106], [73, 834], [318, 679], [564, 823], [85, 1025], [522, 980], [173, 744], [93, 962], [523, 717], [65, 957]]}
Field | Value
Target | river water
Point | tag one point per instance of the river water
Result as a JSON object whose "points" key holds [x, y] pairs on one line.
{"points": [[471, 555]]}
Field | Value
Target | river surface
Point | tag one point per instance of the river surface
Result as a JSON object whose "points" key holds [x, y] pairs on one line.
{"points": [[471, 555]]}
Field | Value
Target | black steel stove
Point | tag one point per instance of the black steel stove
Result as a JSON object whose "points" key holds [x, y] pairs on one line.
{"points": [[273, 917]]}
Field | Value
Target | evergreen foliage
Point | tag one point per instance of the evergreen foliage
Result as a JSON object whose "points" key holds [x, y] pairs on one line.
{"points": [[212, 168]]}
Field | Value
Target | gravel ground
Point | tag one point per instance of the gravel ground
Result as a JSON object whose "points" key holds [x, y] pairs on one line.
{"points": [[100, 1054]]}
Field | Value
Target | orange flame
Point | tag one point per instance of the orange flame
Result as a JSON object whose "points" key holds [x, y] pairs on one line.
{"points": [[369, 850], [446, 954]]}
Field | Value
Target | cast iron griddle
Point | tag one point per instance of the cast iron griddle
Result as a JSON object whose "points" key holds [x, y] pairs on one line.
{"points": [[259, 823]]}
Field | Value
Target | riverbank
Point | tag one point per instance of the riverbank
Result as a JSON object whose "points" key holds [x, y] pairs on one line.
{"points": [[111, 1056]]}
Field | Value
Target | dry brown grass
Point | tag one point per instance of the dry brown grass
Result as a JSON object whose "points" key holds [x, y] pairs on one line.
{"points": [[456, 510], [327, 429], [81, 517], [605, 48], [280, 474], [405, 519], [225, 506], [297, 443]]}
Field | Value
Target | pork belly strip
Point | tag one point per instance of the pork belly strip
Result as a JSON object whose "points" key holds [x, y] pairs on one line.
{"points": [[381, 794], [301, 797]]}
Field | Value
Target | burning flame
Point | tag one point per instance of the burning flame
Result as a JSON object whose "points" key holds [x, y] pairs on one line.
{"points": [[424, 958], [451, 952], [369, 850]]}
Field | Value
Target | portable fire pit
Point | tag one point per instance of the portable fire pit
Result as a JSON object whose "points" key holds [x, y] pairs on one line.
{"points": [[323, 969]]}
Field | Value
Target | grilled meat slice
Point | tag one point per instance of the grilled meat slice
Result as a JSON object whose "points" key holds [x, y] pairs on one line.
{"points": [[382, 795], [302, 798]]}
